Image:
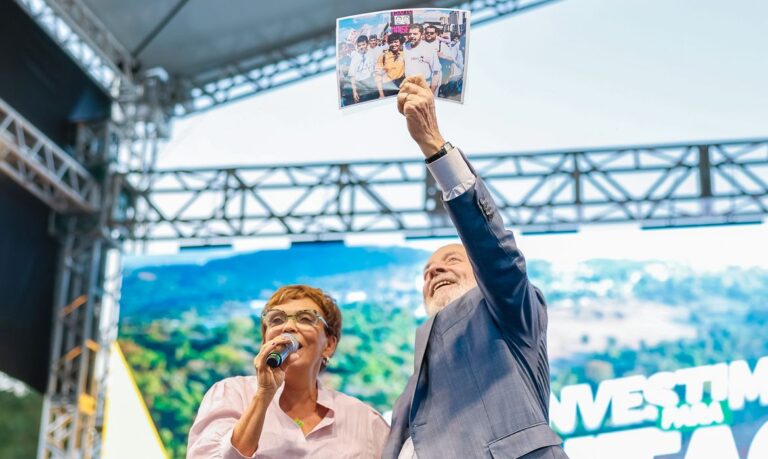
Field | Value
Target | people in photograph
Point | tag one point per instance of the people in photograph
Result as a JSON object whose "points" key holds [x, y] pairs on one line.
{"points": [[390, 67], [480, 386], [285, 411], [430, 35], [374, 50], [421, 59], [447, 57], [345, 58], [455, 39], [361, 68], [451, 64]]}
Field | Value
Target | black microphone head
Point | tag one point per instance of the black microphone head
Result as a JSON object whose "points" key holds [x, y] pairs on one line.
{"points": [[274, 360]]}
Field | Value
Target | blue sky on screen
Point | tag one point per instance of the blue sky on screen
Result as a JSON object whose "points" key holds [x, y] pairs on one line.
{"points": [[576, 73]]}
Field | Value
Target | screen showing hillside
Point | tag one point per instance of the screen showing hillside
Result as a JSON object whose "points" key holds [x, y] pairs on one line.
{"points": [[653, 358]]}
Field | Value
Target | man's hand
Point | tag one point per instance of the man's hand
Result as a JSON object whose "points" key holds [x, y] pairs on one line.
{"points": [[417, 103]]}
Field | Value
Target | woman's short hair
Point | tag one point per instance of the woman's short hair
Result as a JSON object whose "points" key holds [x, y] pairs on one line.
{"points": [[327, 305]]}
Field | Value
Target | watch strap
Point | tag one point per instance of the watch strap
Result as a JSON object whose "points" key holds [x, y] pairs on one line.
{"points": [[440, 153]]}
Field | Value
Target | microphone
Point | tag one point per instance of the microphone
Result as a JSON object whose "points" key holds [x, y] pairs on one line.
{"points": [[276, 358]]}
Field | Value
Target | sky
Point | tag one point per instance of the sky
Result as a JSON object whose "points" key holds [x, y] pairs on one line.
{"points": [[575, 73]]}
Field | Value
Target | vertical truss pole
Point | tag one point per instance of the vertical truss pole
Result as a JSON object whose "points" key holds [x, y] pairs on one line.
{"points": [[578, 187], [85, 316], [705, 179], [69, 427]]}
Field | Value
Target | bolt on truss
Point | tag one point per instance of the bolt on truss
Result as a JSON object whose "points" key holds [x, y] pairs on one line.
{"points": [[85, 312], [44, 169], [656, 185], [82, 35], [286, 65]]}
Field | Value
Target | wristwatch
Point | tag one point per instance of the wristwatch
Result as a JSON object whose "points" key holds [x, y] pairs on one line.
{"points": [[440, 153]]}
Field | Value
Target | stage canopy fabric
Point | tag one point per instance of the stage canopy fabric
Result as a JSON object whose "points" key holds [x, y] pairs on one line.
{"points": [[192, 38]]}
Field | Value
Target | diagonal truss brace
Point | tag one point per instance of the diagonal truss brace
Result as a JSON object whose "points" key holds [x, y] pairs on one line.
{"points": [[658, 185], [44, 169]]}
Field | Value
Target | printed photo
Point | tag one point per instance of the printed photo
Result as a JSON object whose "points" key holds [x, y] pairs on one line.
{"points": [[375, 52]]}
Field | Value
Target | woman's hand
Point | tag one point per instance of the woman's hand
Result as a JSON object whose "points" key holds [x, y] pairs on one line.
{"points": [[247, 431], [270, 378]]}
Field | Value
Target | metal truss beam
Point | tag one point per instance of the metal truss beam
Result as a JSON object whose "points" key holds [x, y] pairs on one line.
{"points": [[655, 185], [283, 66], [84, 314], [44, 169], [80, 33]]}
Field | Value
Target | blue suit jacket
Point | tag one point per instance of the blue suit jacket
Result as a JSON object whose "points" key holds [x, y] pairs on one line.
{"points": [[480, 387]]}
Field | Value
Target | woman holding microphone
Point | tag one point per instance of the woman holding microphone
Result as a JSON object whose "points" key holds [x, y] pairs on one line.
{"points": [[283, 411]]}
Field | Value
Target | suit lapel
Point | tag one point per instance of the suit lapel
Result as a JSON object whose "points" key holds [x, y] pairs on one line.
{"points": [[403, 409], [422, 336]]}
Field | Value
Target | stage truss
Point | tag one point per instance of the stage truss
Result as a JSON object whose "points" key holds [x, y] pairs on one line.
{"points": [[82, 35], [42, 168], [652, 185]]}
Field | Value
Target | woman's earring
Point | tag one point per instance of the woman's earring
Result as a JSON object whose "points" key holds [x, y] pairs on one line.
{"points": [[325, 361]]}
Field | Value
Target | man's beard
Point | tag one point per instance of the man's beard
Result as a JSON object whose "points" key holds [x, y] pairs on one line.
{"points": [[444, 295]]}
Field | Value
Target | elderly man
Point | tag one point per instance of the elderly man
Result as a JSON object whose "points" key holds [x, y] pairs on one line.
{"points": [[480, 387]]}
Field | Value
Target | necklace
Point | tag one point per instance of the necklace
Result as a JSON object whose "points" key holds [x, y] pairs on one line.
{"points": [[299, 422]]}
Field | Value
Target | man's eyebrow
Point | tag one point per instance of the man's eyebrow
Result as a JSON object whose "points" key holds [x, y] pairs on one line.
{"points": [[447, 255]]}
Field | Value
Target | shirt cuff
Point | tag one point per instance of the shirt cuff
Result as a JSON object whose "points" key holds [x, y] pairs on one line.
{"points": [[452, 174]]}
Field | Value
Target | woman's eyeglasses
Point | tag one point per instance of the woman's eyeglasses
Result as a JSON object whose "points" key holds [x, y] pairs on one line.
{"points": [[303, 318]]}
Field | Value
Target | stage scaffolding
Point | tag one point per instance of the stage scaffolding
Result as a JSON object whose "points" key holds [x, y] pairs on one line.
{"points": [[86, 193], [106, 192], [86, 307], [651, 185]]}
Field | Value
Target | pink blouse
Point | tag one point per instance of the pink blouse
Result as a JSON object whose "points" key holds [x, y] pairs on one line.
{"points": [[351, 429]]}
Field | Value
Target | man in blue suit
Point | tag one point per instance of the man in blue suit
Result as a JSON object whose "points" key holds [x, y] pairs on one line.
{"points": [[480, 387]]}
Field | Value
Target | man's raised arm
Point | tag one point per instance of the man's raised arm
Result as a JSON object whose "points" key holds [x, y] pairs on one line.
{"points": [[498, 265]]}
